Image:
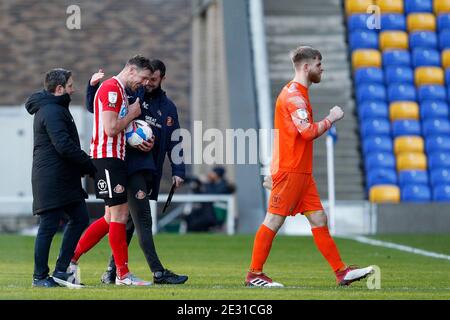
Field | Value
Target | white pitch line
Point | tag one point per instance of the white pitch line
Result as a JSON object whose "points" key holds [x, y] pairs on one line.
{"points": [[396, 246]]}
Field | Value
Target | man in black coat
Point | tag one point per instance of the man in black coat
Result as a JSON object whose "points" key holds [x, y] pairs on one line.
{"points": [[58, 165]]}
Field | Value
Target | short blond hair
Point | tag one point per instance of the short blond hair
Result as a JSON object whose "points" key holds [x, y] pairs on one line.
{"points": [[303, 53]]}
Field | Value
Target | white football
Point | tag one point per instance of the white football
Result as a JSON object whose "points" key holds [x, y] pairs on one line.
{"points": [[137, 132]]}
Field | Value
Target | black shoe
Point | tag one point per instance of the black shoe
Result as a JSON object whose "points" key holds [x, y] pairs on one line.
{"points": [[168, 277], [45, 283], [66, 279], [109, 276]]}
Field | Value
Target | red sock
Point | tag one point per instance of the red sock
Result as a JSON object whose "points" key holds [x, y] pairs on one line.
{"points": [[118, 243], [261, 247], [327, 247], [91, 237]]}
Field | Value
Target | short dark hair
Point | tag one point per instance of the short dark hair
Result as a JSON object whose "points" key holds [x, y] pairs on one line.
{"points": [[140, 62], [303, 53], [56, 77], [158, 65]]}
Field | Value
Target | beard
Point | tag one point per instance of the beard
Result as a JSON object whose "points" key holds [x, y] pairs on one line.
{"points": [[315, 77]]}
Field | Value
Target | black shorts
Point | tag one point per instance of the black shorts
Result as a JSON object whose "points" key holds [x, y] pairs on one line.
{"points": [[111, 180]]}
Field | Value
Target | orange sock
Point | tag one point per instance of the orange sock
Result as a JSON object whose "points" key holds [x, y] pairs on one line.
{"points": [[327, 247], [261, 247]]}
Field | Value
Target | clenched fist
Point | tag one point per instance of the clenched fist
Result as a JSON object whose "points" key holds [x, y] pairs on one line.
{"points": [[135, 109], [336, 113], [268, 182]]}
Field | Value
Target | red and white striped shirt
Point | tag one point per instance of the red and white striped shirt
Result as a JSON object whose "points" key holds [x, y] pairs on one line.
{"points": [[111, 96]]}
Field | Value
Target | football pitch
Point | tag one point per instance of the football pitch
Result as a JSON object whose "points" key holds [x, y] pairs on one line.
{"points": [[217, 264]]}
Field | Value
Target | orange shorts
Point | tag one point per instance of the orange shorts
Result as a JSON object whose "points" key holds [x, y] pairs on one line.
{"points": [[293, 193]]}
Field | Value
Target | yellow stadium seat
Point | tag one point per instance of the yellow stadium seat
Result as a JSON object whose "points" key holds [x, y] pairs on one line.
{"points": [[384, 193], [393, 40], [366, 58], [421, 22], [428, 75], [446, 59], [411, 161], [357, 6], [390, 6], [441, 6], [404, 110], [408, 144]]}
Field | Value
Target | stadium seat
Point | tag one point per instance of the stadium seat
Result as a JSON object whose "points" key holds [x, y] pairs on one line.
{"points": [[405, 128], [432, 92], [363, 40], [411, 161], [399, 75], [408, 144], [441, 6], [441, 193], [429, 75], [437, 143], [416, 193], [444, 39], [423, 39], [377, 144], [443, 21], [366, 58], [418, 6], [357, 22], [370, 92], [357, 6], [440, 176], [447, 77], [439, 160], [412, 177], [435, 127], [384, 194], [401, 92], [425, 57], [421, 22], [446, 59], [379, 160], [403, 110], [393, 21], [375, 127], [400, 58], [390, 6], [372, 110], [369, 75], [430, 109], [391, 40], [381, 176]]}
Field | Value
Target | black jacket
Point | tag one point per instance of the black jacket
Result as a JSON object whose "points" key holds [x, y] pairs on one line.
{"points": [[58, 160]]}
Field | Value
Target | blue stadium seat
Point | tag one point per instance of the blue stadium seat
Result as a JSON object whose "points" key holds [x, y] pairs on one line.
{"points": [[363, 40], [357, 22], [434, 127], [401, 92], [432, 92], [431, 109], [440, 176], [415, 193], [447, 77], [381, 176], [439, 160], [377, 144], [396, 58], [373, 109], [437, 143], [426, 57], [441, 193], [379, 160], [375, 127], [370, 92], [423, 39], [369, 75], [405, 128], [398, 75], [393, 21], [418, 6], [444, 39], [443, 21], [412, 177]]}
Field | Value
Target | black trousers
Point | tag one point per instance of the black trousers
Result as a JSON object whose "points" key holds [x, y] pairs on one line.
{"points": [[139, 186], [49, 222]]}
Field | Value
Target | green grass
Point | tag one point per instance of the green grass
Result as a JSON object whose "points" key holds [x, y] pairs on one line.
{"points": [[217, 264]]}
